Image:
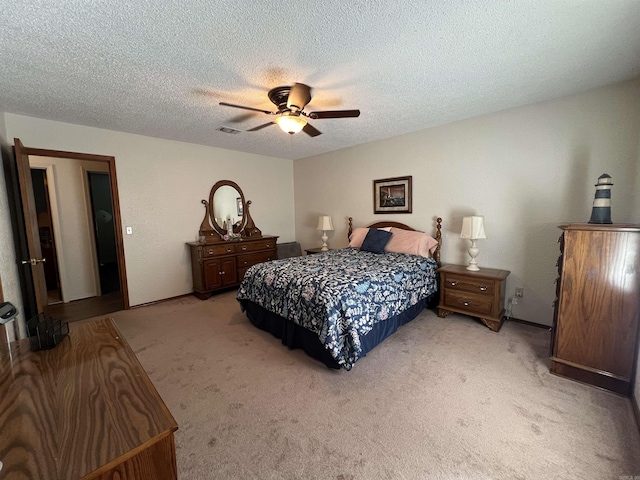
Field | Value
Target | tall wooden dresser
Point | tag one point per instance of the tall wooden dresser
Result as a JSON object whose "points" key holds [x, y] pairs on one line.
{"points": [[595, 327]]}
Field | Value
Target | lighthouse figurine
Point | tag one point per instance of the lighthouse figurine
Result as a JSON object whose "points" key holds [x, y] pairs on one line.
{"points": [[601, 212]]}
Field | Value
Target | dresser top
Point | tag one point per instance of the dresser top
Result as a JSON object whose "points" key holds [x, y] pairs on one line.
{"points": [[71, 410], [604, 227], [491, 273], [239, 240]]}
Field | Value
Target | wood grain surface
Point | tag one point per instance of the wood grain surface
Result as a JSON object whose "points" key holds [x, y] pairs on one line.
{"points": [[80, 409], [599, 302]]}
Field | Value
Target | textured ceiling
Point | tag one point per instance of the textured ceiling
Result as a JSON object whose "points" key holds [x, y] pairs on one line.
{"points": [[159, 68]]}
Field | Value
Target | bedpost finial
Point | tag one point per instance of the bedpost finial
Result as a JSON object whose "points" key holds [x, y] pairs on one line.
{"points": [[436, 254]]}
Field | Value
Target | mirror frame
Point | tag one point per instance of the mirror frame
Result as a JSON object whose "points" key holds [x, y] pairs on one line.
{"points": [[243, 222]]}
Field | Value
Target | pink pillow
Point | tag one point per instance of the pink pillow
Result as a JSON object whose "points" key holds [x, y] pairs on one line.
{"points": [[358, 234], [414, 243]]}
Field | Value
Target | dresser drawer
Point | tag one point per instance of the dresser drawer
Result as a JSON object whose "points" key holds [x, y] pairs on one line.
{"points": [[255, 246], [249, 259], [471, 302], [480, 286], [212, 250]]}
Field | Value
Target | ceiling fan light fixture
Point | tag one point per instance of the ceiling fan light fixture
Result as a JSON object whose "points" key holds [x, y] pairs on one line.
{"points": [[289, 123]]}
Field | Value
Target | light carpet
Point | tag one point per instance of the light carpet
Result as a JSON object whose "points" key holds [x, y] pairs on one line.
{"points": [[439, 399]]}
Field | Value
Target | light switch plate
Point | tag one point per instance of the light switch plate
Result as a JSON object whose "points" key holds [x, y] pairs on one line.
{"points": [[129, 230]]}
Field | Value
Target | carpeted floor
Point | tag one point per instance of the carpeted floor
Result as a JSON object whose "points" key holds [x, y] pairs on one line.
{"points": [[439, 399]]}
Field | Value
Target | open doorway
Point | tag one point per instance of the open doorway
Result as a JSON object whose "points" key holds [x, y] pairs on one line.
{"points": [[74, 234], [104, 231]]}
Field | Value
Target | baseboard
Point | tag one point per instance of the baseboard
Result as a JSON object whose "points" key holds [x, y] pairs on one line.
{"points": [[155, 302], [636, 409], [527, 322]]}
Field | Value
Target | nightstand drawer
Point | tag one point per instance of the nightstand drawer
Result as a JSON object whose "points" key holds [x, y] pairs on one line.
{"points": [[470, 302], [473, 292], [481, 286]]}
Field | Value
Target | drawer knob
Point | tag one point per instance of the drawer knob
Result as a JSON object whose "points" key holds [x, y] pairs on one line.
{"points": [[228, 250], [453, 283], [466, 304], [210, 252], [244, 247], [244, 263], [268, 245], [482, 288]]}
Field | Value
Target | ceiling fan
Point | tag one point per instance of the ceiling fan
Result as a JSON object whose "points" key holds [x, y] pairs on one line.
{"points": [[290, 116]]}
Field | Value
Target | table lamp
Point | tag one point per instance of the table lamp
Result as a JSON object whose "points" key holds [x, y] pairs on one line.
{"points": [[325, 225], [473, 229]]}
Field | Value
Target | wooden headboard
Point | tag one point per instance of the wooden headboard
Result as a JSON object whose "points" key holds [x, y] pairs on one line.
{"points": [[437, 236]]}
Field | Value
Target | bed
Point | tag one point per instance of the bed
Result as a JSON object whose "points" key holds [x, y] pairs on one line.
{"points": [[338, 305]]}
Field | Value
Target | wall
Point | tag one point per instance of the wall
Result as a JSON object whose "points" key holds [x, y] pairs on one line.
{"points": [[637, 213], [160, 184], [526, 170], [72, 223]]}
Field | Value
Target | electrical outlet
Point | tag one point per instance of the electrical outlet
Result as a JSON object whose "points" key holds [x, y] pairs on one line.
{"points": [[129, 230], [520, 292], [514, 300]]}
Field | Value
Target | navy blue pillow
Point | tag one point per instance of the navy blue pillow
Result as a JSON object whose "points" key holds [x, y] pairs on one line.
{"points": [[375, 240]]}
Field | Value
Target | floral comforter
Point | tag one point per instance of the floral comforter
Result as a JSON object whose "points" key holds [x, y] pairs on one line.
{"points": [[340, 294]]}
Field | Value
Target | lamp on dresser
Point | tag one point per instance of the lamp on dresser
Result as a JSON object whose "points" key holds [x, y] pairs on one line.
{"points": [[324, 225], [473, 229]]}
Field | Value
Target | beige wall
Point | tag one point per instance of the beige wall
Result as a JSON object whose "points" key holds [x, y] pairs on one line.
{"points": [[526, 170], [161, 183], [637, 210]]}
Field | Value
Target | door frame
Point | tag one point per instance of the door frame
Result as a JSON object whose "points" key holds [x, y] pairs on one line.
{"points": [[111, 161]]}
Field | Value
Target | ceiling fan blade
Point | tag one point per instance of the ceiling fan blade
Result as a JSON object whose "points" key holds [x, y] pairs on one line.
{"points": [[260, 127], [246, 108], [334, 114], [299, 96], [311, 130]]}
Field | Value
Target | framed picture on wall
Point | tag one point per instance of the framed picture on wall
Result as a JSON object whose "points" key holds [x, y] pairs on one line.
{"points": [[239, 206], [392, 195]]}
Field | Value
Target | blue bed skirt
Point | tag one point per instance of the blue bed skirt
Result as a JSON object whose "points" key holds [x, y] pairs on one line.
{"points": [[295, 336]]}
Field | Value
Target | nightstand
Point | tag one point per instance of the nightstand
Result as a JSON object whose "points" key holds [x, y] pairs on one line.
{"points": [[479, 294], [311, 251]]}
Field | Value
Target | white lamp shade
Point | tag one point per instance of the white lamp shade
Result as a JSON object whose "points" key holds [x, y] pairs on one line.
{"points": [[325, 223], [473, 227], [290, 123]]}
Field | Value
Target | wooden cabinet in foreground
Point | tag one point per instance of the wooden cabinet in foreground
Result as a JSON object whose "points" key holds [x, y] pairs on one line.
{"points": [[85, 409], [595, 327]]}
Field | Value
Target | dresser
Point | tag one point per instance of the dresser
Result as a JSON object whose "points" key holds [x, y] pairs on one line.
{"points": [[84, 409], [476, 293], [595, 325], [223, 264]]}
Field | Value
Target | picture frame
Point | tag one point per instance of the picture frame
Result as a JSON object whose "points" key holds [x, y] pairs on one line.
{"points": [[239, 206], [392, 195]]}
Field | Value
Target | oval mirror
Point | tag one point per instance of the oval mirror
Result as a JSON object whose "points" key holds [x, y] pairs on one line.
{"points": [[227, 205]]}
